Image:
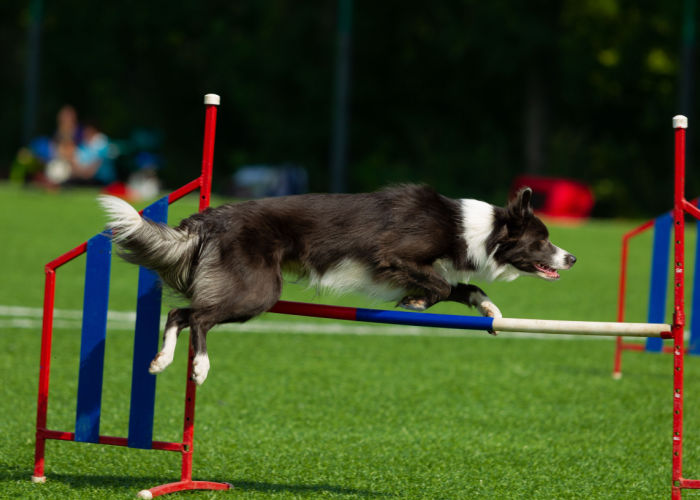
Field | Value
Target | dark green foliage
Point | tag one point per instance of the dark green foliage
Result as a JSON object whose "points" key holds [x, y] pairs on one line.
{"points": [[463, 95]]}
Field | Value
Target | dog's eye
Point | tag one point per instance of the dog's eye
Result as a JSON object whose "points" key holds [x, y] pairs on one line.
{"points": [[538, 245]]}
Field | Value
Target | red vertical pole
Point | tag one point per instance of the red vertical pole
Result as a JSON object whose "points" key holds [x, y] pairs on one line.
{"points": [[680, 123], [188, 429], [44, 371], [623, 280], [617, 369], [211, 101]]}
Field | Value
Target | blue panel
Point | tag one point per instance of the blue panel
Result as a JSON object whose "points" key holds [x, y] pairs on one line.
{"points": [[92, 344], [143, 384], [425, 319], [694, 346], [659, 277]]}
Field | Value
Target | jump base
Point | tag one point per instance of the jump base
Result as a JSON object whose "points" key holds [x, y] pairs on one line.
{"points": [[183, 486]]}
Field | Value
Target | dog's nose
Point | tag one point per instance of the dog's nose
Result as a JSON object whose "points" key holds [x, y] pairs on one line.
{"points": [[570, 260]]}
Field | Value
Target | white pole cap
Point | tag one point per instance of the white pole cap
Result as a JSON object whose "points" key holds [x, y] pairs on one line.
{"points": [[680, 121], [212, 99]]}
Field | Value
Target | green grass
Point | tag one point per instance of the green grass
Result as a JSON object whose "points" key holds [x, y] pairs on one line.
{"points": [[350, 416]]}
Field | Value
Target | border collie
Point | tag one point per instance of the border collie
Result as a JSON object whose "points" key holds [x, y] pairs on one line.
{"points": [[407, 244]]}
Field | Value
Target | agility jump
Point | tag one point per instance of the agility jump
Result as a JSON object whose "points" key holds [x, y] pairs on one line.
{"points": [[94, 328], [98, 251], [661, 227]]}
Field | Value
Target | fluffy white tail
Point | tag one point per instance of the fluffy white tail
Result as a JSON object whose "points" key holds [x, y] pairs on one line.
{"points": [[124, 219], [168, 251]]}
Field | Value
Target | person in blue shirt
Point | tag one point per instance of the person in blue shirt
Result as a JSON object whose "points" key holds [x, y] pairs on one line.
{"points": [[92, 162]]}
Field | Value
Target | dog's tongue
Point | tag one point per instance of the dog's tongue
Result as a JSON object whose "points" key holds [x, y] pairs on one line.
{"points": [[551, 273]]}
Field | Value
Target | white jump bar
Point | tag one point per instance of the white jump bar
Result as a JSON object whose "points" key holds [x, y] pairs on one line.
{"points": [[582, 327]]}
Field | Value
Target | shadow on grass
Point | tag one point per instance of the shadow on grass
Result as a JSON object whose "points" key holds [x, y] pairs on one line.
{"points": [[137, 483], [78, 481]]}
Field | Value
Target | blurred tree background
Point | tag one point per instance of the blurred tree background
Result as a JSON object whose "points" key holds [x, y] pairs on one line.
{"points": [[463, 95]]}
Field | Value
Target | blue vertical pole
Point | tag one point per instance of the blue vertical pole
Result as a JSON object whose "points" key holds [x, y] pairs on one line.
{"points": [[92, 343], [143, 384], [659, 277]]}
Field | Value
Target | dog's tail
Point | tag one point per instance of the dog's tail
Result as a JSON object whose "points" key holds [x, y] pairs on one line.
{"points": [[166, 250]]}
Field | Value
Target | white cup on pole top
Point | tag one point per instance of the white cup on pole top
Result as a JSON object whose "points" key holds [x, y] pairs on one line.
{"points": [[212, 100], [680, 121]]}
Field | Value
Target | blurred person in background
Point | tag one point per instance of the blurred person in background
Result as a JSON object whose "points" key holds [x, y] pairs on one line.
{"points": [[46, 160], [63, 145], [92, 161]]}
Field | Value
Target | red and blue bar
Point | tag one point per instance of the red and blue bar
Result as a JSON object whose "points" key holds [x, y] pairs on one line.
{"points": [[383, 316]]}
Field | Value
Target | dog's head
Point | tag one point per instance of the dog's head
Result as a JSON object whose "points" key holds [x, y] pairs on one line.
{"points": [[523, 241]]}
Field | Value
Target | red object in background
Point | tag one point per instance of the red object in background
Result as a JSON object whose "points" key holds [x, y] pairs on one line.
{"points": [[557, 197], [121, 190]]}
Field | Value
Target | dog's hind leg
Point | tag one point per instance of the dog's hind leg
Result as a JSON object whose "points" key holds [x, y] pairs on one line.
{"points": [[177, 320], [199, 326], [236, 299]]}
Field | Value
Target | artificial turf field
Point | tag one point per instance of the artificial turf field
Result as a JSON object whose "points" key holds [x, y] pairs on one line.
{"points": [[297, 408]]}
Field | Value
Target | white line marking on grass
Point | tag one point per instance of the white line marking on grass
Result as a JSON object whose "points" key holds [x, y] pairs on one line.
{"points": [[38, 312], [29, 318]]}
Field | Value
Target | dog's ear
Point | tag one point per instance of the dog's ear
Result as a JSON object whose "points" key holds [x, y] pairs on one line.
{"points": [[520, 207]]}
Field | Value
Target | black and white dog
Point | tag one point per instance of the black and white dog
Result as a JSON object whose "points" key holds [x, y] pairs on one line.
{"points": [[408, 244]]}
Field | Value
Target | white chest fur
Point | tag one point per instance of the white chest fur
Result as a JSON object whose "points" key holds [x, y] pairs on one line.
{"points": [[477, 226]]}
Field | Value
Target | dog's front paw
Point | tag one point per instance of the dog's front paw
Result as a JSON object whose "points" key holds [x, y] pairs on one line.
{"points": [[200, 368], [488, 308], [160, 362], [414, 303]]}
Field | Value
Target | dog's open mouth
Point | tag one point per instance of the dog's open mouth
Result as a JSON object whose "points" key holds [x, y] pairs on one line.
{"points": [[546, 272]]}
